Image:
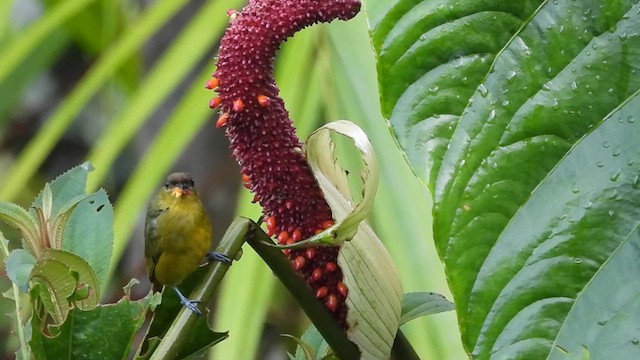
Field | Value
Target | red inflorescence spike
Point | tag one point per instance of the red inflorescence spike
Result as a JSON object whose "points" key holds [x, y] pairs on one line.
{"points": [[222, 120], [212, 83], [238, 105], [215, 102], [263, 139], [264, 100], [245, 178]]}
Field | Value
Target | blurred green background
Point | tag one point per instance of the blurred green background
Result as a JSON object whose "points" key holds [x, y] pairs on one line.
{"points": [[121, 84]]}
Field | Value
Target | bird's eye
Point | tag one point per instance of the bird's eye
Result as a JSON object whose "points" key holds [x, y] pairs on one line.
{"points": [[167, 185]]}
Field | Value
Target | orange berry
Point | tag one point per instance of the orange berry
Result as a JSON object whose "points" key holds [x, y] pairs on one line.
{"points": [[212, 83], [330, 266], [222, 120], [322, 292], [342, 289], [264, 100], [238, 105], [215, 102], [316, 274], [310, 253], [271, 223], [327, 224], [283, 237], [298, 263], [332, 303]]}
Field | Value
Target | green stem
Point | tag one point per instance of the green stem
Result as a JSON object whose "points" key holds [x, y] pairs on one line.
{"points": [[321, 318], [402, 349], [24, 350], [178, 332]]}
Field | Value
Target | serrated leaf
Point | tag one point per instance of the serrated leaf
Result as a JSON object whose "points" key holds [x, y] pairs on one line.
{"points": [[418, 304], [83, 334], [88, 233], [375, 289], [65, 187], [19, 264], [20, 219]]}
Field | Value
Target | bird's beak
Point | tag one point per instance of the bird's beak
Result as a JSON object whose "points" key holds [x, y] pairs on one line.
{"points": [[176, 191]]}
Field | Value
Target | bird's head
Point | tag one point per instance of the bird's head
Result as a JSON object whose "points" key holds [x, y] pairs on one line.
{"points": [[179, 184]]}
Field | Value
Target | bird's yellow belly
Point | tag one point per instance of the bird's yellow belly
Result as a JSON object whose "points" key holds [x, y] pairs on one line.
{"points": [[185, 243]]}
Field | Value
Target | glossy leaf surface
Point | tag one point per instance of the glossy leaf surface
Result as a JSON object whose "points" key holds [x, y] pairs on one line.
{"points": [[532, 157], [83, 334]]}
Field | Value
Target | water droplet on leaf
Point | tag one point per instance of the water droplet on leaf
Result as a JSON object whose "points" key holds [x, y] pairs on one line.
{"points": [[483, 90]]}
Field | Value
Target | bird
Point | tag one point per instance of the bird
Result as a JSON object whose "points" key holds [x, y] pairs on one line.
{"points": [[178, 235]]}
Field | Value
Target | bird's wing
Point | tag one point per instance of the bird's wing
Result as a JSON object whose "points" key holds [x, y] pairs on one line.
{"points": [[152, 244]]}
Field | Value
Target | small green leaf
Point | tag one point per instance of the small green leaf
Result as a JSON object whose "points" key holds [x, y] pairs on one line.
{"points": [[312, 343], [20, 219], [418, 304], [19, 264], [83, 335], [304, 351], [47, 201]]}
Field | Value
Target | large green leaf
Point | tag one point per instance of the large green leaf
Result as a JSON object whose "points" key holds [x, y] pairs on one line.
{"points": [[521, 263], [84, 334]]}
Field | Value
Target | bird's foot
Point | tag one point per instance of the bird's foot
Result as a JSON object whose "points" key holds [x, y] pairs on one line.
{"points": [[217, 256], [189, 304]]}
